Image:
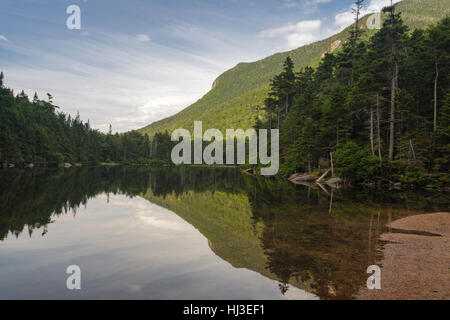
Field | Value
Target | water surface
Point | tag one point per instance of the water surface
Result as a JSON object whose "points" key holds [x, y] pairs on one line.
{"points": [[141, 233]]}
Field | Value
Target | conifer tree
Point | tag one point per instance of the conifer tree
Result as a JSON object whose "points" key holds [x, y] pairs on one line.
{"points": [[356, 32]]}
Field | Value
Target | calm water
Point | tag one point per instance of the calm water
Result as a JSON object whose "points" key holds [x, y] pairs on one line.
{"points": [[189, 234]]}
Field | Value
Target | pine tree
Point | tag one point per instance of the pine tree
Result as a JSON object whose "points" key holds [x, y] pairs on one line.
{"points": [[439, 44], [22, 95], [387, 50], [282, 92], [50, 98], [355, 34], [288, 85]]}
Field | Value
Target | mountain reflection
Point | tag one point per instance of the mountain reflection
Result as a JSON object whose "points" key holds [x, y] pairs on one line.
{"points": [[300, 236]]}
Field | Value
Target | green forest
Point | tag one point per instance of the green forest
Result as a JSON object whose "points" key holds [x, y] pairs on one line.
{"points": [[237, 95], [36, 132], [378, 108]]}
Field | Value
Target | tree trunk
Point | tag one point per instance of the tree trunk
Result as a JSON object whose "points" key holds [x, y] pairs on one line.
{"points": [[332, 164], [337, 136], [270, 120], [355, 39], [392, 118], [323, 176], [436, 82], [378, 126], [330, 211], [412, 151], [372, 144]]}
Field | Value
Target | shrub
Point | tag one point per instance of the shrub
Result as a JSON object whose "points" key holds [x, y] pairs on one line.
{"points": [[357, 164], [56, 157], [414, 175]]}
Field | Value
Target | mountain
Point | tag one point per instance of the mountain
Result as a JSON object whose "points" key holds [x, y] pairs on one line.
{"points": [[238, 94]]}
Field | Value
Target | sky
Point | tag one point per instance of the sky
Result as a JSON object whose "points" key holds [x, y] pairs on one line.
{"points": [[134, 62]]}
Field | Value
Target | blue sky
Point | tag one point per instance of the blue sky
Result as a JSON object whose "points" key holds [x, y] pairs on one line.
{"points": [[138, 61]]}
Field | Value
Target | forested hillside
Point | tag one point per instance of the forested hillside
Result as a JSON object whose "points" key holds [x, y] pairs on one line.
{"points": [[238, 95], [380, 108], [36, 132]]}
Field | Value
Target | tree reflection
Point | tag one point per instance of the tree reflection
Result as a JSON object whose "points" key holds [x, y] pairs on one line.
{"points": [[287, 233], [29, 198], [328, 252]]}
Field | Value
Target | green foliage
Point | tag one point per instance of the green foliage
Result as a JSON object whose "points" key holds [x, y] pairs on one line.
{"points": [[348, 104], [442, 161], [232, 100], [414, 175], [354, 94], [356, 164], [35, 132], [55, 157]]}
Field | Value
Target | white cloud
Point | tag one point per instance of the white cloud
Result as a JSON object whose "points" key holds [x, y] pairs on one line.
{"points": [[109, 81], [3, 38], [306, 5], [294, 35], [149, 215], [114, 78], [298, 34], [132, 80], [142, 37]]}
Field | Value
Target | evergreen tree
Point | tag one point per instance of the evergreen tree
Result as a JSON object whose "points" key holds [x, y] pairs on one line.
{"points": [[356, 32], [438, 42], [282, 92], [388, 45], [50, 98], [375, 96]]}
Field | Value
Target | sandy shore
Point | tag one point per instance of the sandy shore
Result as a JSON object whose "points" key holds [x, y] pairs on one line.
{"points": [[415, 266]]}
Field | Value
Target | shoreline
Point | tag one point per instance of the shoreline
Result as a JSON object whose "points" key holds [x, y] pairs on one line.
{"points": [[415, 266], [310, 180]]}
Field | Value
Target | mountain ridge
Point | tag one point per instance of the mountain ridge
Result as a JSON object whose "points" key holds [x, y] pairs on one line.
{"points": [[237, 95]]}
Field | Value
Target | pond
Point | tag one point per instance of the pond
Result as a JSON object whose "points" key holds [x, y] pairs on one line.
{"points": [[190, 233]]}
